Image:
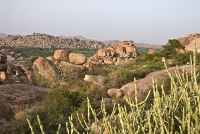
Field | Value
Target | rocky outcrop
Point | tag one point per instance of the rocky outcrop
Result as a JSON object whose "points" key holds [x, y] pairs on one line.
{"points": [[100, 80], [45, 68], [111, 55], [191, 45]]}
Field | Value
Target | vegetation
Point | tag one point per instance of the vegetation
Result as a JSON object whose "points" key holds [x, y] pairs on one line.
{"points": [[73, 104], [44, 52]]}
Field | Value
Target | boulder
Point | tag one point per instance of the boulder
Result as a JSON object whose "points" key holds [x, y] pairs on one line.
{"points": [[67, 66], [115, 93], [62, 55], [77, 58], [107, 61], [101, 53], [144, 85], [3, 58], [45, 68], [100, 80]]}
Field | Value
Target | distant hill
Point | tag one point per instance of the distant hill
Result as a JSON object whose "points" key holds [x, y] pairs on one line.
{"points": [[37, 40], [2, 35], [70, 42]]}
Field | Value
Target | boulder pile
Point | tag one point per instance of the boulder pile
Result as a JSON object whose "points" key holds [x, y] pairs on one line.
{"points": [[52, 68], [14, 72], [114, 54]]}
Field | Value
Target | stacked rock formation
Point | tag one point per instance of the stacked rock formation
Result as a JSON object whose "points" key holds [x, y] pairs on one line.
{"points": [[113, 54]]}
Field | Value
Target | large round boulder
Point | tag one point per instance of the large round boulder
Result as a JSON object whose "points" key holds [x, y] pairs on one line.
{"points": [[62, 55], [45, 68], [77, 58], [144, 85]]}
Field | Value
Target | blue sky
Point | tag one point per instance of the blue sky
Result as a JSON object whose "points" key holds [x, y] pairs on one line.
{"points": [[144, 21]]}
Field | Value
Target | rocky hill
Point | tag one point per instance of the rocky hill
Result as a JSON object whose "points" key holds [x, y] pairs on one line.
{"points": [[2, 35], [38, 40], [47, 41]]}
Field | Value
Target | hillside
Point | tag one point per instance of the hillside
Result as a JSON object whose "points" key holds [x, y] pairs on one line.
{"points": [[38, 40]]}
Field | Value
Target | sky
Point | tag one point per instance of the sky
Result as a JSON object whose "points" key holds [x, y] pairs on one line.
{"points": [[144, 21]]}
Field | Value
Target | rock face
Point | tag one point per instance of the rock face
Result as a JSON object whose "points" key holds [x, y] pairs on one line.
{"points": [[190, 46], [100, 80], [45, 68], [62, 55], [77, 58], [190, 37], [16, 98]]}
